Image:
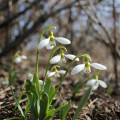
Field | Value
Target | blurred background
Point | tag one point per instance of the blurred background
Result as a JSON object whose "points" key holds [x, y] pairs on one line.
{"points": [[93, 26]]}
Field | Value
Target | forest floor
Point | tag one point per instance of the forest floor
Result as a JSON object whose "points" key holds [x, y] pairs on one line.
{"points": [[100, 106]]}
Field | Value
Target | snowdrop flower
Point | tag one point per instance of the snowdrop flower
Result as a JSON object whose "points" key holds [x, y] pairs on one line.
{"points": [[50, 42], [95, 82], [41, 82], [61, 58], [56, 73], [18, 59], [86, 67]]}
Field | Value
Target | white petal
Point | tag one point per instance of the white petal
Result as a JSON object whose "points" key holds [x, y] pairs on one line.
{"points": [[41, 82], [63, 60], [24, 57], [77, 69], [55, 59], [29, 74], [91, 82], [63, 40], [31, 79], [95, 86], [62, 71], [50, 74], [102, 83], [71, 57], [57, 75], [18, 60], [43, 43], [51, 45], [87, 69], [98, 66]]}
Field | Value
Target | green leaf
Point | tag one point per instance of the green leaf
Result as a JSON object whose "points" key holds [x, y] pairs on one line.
{"points": [[35, 106], [51, 93], [13, 118], [19, 98], [50, 114], [19, 107], [12, 78], [30, 87], [47, 86], [44, 105], [28, 106], [64, 111], [82, 102], [36, 82], [53, 106]]}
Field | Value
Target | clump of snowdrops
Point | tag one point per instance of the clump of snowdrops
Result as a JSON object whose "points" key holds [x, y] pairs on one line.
{"points": [[39, 93]]}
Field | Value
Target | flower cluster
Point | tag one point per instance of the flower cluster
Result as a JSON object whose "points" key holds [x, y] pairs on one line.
{"points": [[50, 43]]}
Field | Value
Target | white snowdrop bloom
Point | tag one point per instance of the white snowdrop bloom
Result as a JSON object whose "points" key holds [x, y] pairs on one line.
{"points": [[50, 42], [24, 57], [18, 59], [61, 58], [41, 82], [56, 73], [86, 67], [96, 83], [29, 74]]}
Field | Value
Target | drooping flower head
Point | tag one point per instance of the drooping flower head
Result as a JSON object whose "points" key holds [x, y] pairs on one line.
{"points": [[86, 67], [61, 57], [19, 58], [50, 42], [95, 83], [55, 72]]}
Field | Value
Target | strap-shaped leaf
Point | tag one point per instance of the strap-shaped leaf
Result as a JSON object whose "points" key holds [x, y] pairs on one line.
{"points": [[64, 111], [36, 82], [47, 86], [14, 118], [12, 78], [82, 103], [30, 87], [19, 98], [28, 106], [19, 107], [44, 105], [50, 114], [35, 107], [54, 105], [51, 93]]}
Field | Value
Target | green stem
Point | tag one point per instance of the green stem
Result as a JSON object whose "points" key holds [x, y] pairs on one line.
{"points": [[37, 61], [67, 72], [47, 67], [37, 57]]}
